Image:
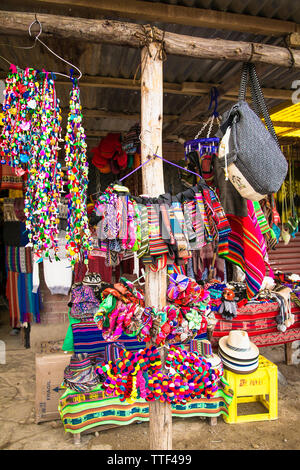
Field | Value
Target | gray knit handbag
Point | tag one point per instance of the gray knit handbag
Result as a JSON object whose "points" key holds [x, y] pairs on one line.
{"points": [[253, 150]]}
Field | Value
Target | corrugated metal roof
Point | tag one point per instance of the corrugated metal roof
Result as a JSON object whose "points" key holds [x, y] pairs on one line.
{"points": [[278, 9], [290, 114]]}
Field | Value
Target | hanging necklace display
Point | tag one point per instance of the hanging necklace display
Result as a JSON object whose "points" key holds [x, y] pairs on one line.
{"points": [[78, 234], [30, 144], [45, 177]]}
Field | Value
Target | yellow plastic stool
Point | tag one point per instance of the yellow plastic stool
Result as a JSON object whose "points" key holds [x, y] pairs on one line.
{"points": [[254, 388]]}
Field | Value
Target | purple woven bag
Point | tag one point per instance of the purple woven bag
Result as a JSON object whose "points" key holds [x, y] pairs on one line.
{"points": [[84, 302]]}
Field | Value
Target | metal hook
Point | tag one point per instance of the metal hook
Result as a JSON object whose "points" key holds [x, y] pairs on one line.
{"points": [[30, 26], [50, 50]]}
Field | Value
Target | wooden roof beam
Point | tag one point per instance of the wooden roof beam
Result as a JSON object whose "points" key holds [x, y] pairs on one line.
{"points": [[136, 35], [176, 14]]}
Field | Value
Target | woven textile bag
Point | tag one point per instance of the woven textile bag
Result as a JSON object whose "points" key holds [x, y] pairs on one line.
{"points": [[84, 303], [250, 153]]}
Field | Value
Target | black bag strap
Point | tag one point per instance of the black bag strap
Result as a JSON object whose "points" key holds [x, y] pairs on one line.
{"points": [[249, 71]]}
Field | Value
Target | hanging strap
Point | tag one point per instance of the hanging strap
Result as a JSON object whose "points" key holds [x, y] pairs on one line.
{"points": [[144, 247], [249, 72]]}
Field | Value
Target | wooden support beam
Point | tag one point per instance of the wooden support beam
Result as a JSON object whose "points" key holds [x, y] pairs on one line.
{"points": [[136, 35], [185, 88], [160, 414], [176, 14], [99, 114]]}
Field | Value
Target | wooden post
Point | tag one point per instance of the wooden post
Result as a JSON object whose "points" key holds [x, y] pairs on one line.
{"points": [[288, 353], [160, 414]]}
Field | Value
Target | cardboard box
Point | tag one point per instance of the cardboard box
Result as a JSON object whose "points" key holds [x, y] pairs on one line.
{"points": [[49, 376]]}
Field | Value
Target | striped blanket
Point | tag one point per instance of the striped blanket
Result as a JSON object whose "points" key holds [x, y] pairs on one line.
{"points": [[247, 249], [24, 306], [80, 412], [18, 259], [87, 338]]}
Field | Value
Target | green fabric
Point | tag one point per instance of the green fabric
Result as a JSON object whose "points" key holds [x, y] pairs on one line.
{"points": [[80, 412], [68, 342], [108, 305]]}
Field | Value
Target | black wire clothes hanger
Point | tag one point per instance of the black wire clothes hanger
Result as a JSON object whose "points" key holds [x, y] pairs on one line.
{"points": [[37, 39]]}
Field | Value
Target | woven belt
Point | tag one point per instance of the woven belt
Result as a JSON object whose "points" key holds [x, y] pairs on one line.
{"points": [[144, 247]]}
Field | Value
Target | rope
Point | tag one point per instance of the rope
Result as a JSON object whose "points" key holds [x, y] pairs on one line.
{"points": [[292, 58], [146, 36]]}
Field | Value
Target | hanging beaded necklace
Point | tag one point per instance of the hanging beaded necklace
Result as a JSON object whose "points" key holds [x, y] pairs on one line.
{"points": [[78, 236]]}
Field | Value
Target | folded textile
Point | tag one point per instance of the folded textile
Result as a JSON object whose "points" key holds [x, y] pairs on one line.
{"points": [[9, 179], [18, 259], [80, 375], [79, 413]]}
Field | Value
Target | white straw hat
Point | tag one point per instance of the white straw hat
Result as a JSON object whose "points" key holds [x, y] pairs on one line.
{"points": [[238, 346]]}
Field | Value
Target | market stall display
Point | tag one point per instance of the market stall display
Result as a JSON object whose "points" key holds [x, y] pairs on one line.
{"points": [[128, 353]]}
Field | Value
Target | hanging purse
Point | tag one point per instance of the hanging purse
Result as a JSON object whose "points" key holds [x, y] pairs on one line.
{"points": [[254, 162]]}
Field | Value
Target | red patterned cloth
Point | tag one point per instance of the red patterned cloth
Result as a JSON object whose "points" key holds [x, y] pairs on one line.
{"points": [[259, 320]]}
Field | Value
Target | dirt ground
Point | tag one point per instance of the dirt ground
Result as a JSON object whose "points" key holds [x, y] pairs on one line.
{"points": [[18, 430]]}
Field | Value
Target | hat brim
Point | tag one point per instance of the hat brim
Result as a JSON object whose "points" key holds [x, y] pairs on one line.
{"points": [[252, 353], [240, 372], [239, 368], [237, 359]]}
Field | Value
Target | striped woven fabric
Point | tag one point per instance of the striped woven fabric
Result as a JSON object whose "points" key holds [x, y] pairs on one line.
{"points": [[166, 230], [18, 259], [179, 230], [12, 296], [157, 246], [122, 219], [80, 412], [221, 221], [29, 303], [174, 269], [80, 375], [87, 338], [144, 247], [190, 230], [201, 208], [197, 222], [262, 221], [246, 251], [24, 306]]}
